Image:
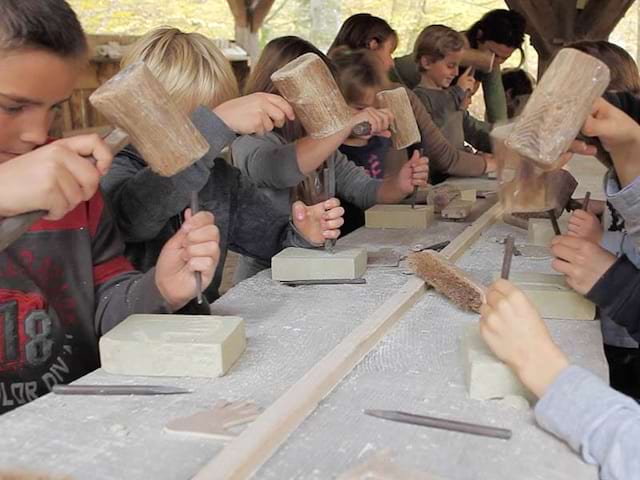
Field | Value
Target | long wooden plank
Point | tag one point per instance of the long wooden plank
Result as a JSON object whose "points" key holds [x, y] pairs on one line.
{"points": [[459, 245], [255, 445]]}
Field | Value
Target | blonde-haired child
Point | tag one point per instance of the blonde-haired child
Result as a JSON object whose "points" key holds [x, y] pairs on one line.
{"points": [[149, 207], [192, 68], [438, 51]]}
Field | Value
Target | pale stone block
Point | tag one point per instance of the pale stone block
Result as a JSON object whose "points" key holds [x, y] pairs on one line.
{"points": [[399, 216], [345, 263], [541, 232], [457, 210], [173, 345], [486, 376], [469, 195], [553, 297]]}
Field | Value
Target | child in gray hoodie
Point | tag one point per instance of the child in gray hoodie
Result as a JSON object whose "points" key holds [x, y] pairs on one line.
{"points": [[148, 206], [285, 162], [595, 420]]}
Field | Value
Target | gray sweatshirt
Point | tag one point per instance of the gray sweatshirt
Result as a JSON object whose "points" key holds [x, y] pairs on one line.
{"points": [[627, 202], [456, 124], [272, 164], [148, 207], [595, 420]]}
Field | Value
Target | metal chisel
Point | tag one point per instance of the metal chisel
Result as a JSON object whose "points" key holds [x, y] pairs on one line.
{"points": [[329, 174], [441, 423], [117, 390]]}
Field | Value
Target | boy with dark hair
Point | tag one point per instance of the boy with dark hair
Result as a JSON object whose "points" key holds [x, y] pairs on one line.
{"points": [[65, 281]]}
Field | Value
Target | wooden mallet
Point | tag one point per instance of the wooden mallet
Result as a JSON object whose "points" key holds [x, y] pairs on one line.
{"points": [[558, 108], [136, 102], [404, 128], [308, 85]]}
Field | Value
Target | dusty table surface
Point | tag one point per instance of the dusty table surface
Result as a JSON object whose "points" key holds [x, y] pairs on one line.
{"points": [[417, 367]]}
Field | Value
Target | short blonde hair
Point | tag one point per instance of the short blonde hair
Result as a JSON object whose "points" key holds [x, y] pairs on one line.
{"points": [[192, 69], [436, 42]]}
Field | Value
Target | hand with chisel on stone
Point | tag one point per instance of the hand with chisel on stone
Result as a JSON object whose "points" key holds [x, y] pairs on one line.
{"points": [[286, 162], [575, 405], [149, 207]]}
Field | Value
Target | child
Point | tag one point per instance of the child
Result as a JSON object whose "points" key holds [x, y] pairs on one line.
{"points": [[623, 354], [65, 282], [438, 51], [360, 76], [375, 34], [500, 32], [148, 206], [518, 87], [602, 425], [284, 160]]}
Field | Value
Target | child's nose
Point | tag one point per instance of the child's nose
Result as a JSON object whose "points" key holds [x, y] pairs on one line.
{"points": [[35, 129]]}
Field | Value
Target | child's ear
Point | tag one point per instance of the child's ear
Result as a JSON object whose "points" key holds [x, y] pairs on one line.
{"points": [[425, 63], [374, 44]]}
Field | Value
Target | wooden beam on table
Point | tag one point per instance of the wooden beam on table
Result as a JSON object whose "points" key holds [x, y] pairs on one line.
{"points": [[242, 457]]}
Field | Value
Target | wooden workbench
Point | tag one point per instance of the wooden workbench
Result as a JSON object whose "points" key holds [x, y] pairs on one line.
{"points": [[417, 367]]}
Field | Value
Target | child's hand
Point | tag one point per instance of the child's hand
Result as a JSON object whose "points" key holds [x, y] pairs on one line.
{"points": [[256, 113], [379, 118], [194, 248], [514, 331], [414, 173], [318, 222], [491, 163], [581, 261], [55, 178], [585, 225], [620, 136], [466, 81]]}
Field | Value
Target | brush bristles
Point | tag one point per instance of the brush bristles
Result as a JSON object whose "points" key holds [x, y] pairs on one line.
{"points": [[448, 279]]}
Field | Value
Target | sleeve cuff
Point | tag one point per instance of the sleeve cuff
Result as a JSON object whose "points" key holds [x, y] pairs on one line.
{"points": [[616, 279], [148, 298], [214, 130], [612, 242], [576, 404]]}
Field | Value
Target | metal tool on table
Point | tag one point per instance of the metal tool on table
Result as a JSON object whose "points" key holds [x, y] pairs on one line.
{"points": [[118, 390], [554, 222], [436, 247], [509, 248], [414, 195], [441, 423], [329, 178], [330, 281], [195, 208], [585, 203], [12, 228]]}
